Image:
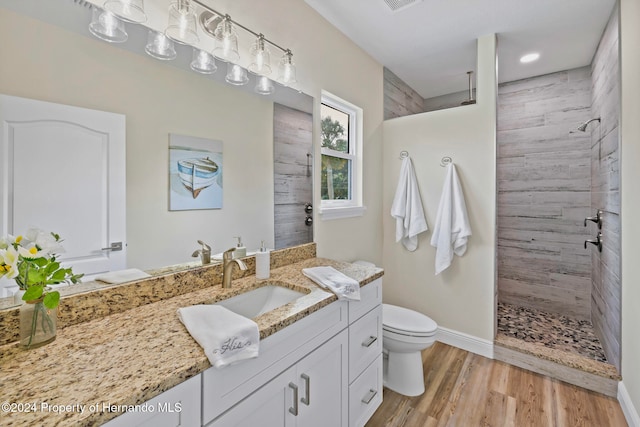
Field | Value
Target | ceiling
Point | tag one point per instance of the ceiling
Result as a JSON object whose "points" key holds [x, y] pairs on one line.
{"points": [[431, 44]]}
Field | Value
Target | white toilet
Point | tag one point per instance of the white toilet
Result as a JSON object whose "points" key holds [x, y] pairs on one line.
{"points": [[405, 333]]}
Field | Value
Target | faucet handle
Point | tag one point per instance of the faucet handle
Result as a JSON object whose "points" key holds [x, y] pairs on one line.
{"points": [[228, 254]]}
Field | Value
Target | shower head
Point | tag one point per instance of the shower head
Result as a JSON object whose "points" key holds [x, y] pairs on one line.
{"points": [[583, 127]]}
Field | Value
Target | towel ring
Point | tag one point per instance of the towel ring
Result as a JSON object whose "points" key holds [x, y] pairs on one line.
{"points": [[446, 161], [404, 154]]}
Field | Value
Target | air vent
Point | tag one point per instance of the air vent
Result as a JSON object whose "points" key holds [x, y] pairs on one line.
{"points": [[396, 5]]}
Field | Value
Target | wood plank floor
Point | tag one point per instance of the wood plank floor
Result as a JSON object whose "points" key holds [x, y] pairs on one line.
{"points": [[466, 390]]}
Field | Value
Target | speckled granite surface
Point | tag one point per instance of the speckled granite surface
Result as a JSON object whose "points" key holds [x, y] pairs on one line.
{"points": [[129, 357], [553, 337], [98, 299]]}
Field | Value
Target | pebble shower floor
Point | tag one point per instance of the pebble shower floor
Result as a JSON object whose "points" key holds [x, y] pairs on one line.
{"points": [[553, 330]]}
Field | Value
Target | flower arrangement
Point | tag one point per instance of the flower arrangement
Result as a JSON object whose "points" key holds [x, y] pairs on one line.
{"points": [[31, 261]]}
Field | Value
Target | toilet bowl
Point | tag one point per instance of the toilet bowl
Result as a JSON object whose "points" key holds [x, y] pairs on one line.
{"points": [[405, 333]]}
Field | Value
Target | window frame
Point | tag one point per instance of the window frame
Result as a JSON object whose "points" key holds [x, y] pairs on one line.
{"points": [[335, 209]]}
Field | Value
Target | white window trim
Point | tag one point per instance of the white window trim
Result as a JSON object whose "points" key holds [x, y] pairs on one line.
{"points": [[337, 209]]}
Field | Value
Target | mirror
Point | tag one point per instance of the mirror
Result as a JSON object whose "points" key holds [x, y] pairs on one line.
{"points": [[54, 58]]}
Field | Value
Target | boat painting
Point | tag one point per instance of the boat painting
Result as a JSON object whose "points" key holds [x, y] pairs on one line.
{"points": [[196, 169], [197, 174]]}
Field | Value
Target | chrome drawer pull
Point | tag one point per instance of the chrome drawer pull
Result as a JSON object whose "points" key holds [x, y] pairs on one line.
{"points": [[369, 397], [369, 341], [307, 398], [294, 409]]}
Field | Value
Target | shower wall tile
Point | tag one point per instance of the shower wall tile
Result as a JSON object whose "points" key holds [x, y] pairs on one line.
{"points": [[542, 201], [605, 188], [399, 98]]}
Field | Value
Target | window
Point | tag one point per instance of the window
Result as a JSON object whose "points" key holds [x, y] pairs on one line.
{"points": [[341, 150]]}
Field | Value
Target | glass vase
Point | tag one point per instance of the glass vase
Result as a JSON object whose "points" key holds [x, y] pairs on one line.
{"points": [[37, 324]]}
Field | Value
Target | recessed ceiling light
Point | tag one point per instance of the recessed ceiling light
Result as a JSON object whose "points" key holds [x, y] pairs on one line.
{"points": [[529, 57]]}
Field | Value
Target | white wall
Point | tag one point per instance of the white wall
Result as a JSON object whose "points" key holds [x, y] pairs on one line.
{"points": [[462, 297], [630, 155]]}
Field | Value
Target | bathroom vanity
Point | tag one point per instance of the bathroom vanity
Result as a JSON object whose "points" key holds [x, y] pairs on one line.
{"points": [[320, 362], [325, 369]]}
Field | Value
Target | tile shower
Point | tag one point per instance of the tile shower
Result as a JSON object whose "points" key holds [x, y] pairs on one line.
{"points": [[550, 288]]}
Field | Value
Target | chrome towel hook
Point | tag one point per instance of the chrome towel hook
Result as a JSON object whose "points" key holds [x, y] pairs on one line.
{"points": [[404, 154], [445, 161]]}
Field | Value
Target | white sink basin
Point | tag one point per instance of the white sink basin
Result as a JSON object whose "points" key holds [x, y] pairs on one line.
{"points": [[258, 301]]}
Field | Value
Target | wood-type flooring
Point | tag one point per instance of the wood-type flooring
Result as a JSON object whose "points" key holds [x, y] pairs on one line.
{"points": [[467, 390]]}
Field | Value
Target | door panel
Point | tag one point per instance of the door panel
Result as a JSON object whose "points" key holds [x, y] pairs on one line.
{"points": [[62, 169]]}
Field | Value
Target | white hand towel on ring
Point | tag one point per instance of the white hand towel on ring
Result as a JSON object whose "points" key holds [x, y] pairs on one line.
{"points": [[452, 229], [407, 208]]}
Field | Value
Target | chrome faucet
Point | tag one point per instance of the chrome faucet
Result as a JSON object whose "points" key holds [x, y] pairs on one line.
{"points": [[227, 267], [204, 253]]}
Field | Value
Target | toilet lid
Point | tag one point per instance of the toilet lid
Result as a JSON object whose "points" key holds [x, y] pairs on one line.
{"points": [[405, 321]]}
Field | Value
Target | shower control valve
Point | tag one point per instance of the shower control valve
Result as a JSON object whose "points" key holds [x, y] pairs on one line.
{"points": [[597, 219], [597, 242]]}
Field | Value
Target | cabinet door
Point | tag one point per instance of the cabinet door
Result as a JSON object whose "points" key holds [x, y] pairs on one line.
{"points": [[272, 405], [179, 406], [323, 385]]}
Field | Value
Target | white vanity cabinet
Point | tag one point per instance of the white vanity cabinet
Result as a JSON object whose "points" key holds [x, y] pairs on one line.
{"points": [[311, 393], [178, 406], [365, 354], [323, 370]]}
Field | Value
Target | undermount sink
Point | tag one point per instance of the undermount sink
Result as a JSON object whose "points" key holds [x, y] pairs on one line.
{"points": [[258, 301]]}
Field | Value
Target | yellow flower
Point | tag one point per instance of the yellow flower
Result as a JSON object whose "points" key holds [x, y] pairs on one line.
{"points": [[18, 239], [33, 250]]}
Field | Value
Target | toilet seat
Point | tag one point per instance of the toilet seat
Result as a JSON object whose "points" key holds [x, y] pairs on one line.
{"points": [[403, 321]]}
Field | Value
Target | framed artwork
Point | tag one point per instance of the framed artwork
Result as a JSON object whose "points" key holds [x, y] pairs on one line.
{"points": [[195, 173]]}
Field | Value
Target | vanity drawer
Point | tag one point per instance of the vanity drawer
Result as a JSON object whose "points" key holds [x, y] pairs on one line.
{"points": [[365, 341], [370, 296], [365, 394]]}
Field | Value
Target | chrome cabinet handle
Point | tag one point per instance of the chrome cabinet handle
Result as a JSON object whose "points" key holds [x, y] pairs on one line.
{"points": [[307, 393], [369, 397], [294, 409], [369, 341]]}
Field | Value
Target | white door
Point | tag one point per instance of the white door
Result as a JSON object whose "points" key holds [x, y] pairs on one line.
{"points": [[62, 169]]}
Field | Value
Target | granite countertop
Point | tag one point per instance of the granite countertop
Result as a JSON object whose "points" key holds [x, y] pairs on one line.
{"points": [[130, 357]]}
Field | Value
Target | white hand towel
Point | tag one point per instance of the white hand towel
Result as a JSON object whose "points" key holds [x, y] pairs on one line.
{"points": [[452, 229], [225, 336], [122, 276], [407, 208], [328, 277]]}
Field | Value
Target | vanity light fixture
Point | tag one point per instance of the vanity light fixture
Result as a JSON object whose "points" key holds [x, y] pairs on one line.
{"points": [[129, 10], [287, 68], [106, 26], [182, 23], [203, 62], [264, 86], [160, 46], [226, 41], [236, 75], [260, 57], [529, 57]]}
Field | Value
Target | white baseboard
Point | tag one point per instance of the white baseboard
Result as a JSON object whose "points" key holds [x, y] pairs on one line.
{"points": [[466, 342], [630, 412]]}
